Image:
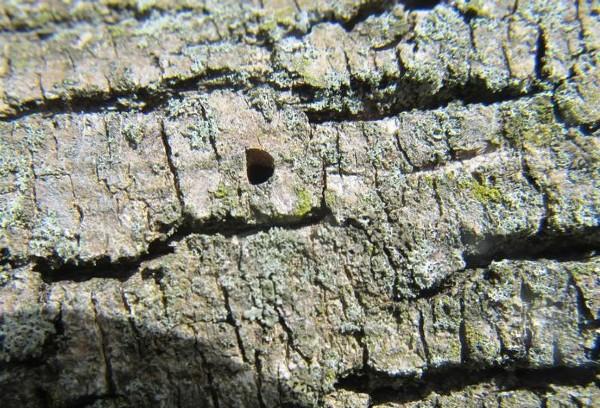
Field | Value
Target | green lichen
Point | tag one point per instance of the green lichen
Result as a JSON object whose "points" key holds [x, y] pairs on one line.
{"points": [[533, 123], [48, 236], [303, 203], [223, 192], [133, 134], [429, 180], [270, 23], [5, 274], [478, 341], [476, 7], [481, 191], [485, 193], [330, 199], [41, 18], [16, 214], [303, 67], [121, 30], [267, 26], [17, 175], [145, 5]]}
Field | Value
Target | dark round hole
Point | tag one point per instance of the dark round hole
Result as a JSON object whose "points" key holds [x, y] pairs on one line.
{"points": [[260, 166]]}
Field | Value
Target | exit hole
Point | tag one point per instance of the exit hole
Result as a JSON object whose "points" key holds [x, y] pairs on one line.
{"points": [[260, 166]]}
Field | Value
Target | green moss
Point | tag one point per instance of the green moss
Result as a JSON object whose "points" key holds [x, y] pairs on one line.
{"points": [[303, 203], [329, 376]]}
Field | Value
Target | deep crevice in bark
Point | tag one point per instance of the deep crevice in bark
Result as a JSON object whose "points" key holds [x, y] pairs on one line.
{"points": [[149, 100], [568, 246], [366, 10], [55, 270], [419, 4], [383, 387], [577, 246], [404, 101]]}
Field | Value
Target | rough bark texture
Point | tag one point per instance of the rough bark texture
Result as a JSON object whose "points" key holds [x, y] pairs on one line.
{"points": [[429, 236]]}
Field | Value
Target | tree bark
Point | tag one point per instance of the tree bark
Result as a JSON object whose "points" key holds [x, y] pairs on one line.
{"points": [[299, 203]]}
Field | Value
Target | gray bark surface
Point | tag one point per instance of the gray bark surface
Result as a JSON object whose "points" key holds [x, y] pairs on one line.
{"points": [[429, 236]]}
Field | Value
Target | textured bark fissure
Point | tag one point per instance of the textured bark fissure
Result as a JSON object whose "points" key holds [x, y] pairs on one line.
{"points": [[146, 100], [259, 379], [586, 316], [366, 10], [419, 4], [123, 12], [423, 338], [131, 319], [158, 96], [404, 154], [290, 336], [58, 24], [157, 275], [462, 334], [527, 175], [109, 380], [455, 278], [54, 270], [527, 335], [172, 167], [211, 137], [540, 54], [384, 388], [231, 320], [214, 392], [579, 18], [469, 94], [384, 248], [578, 245], [465, 67]]}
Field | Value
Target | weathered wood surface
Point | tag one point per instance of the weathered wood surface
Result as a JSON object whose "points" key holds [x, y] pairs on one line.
{"points": [[428, 238]]}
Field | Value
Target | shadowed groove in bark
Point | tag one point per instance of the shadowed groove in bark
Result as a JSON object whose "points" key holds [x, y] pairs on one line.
{"points": [[576, 245], [377, 7], [172, 167], [157, 98], [469, 94], [53, 270], [384, 388], [121, 12]]}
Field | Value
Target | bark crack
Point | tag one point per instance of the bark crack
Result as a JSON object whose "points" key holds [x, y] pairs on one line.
{"points": [[384, 388], [231, 320], [108, 372]]}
